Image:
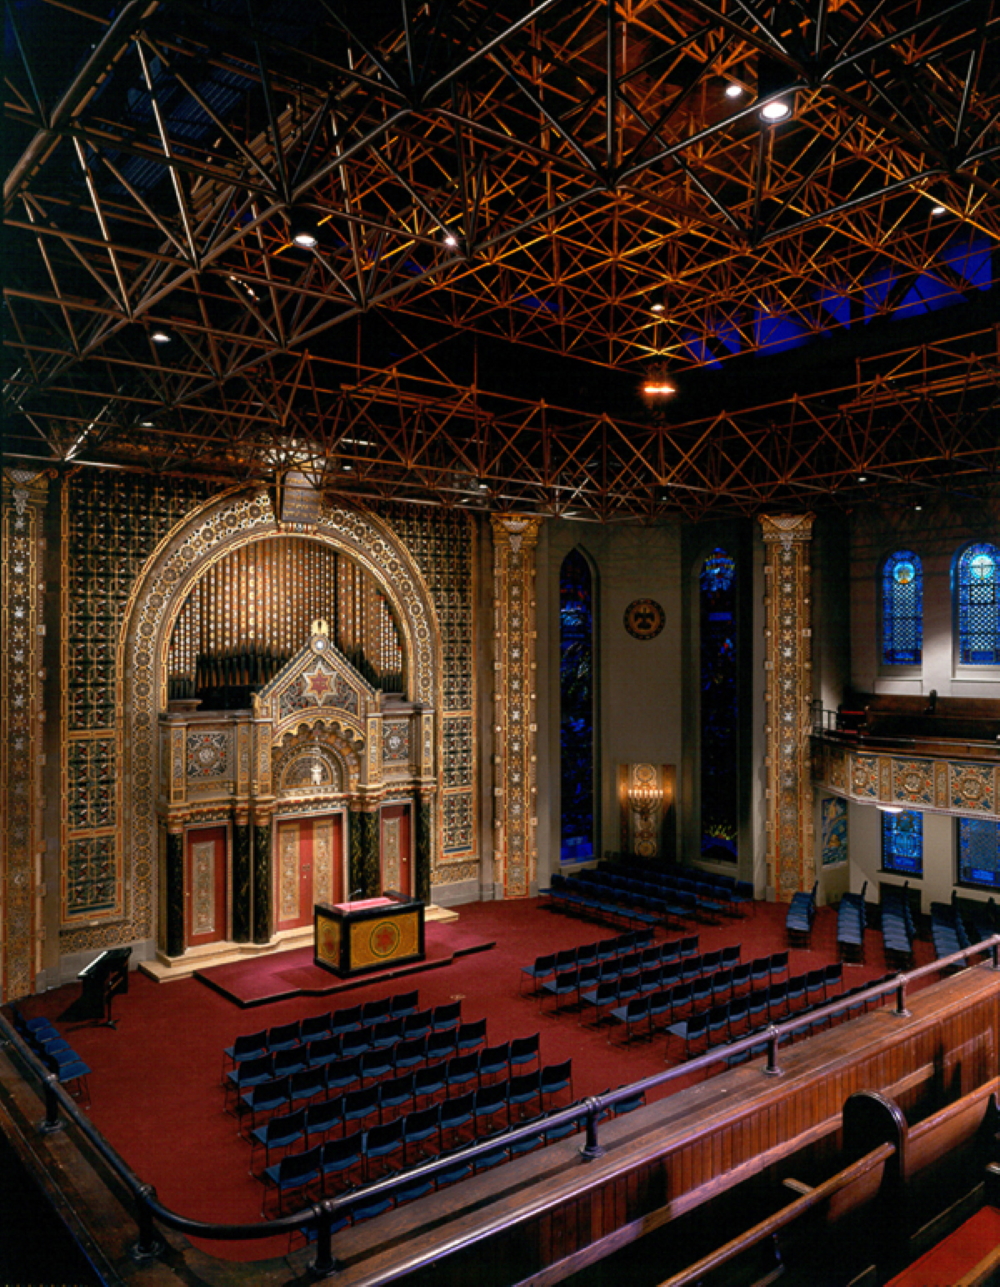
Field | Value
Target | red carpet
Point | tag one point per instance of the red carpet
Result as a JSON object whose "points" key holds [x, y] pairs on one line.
{"points": [[949, 1262], [155, 1082], [290, 974]]}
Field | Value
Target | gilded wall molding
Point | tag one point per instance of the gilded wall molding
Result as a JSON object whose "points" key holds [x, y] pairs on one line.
{"points": [[515, 820], [25, 494], [788, 698]]}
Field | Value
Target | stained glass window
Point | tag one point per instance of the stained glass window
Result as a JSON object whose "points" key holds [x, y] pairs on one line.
{"points": [[903, 842], [979, 852], [977, 574], [902, 609], [576, 709], [719, 708]]}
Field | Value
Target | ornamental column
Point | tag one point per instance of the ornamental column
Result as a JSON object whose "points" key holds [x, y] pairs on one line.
{"points": [[515, 821], [22, 714], [788, 696]]}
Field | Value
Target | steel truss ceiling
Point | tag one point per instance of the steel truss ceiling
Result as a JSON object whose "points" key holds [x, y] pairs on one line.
{"points": [[519, 208]]}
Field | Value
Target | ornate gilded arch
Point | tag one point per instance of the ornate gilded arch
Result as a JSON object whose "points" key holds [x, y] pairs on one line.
{"points": [[206, 535]]}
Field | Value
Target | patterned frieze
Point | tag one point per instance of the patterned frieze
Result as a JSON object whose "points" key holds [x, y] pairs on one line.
{"points": [[788, 695], [515, 537], [21, 601], [957, 787]]}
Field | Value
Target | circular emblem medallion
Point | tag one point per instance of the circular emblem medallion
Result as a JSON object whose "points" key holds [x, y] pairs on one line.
{"points": [[644, 618], [384, 939]]}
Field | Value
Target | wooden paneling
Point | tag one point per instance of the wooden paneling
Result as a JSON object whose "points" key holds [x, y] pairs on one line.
{"points": [[551, 1213]]}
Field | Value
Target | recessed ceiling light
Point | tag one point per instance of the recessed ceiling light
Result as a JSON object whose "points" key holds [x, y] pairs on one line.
{"points": [[776, 110], [305, 240], [938, 210], [918, 507], [734, 91], [160, 337], [145, 424], [656, 308], [889, 808], [451, 239]]}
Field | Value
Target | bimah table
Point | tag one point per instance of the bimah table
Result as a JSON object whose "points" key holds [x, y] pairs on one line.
{"points": [[368, 935]]}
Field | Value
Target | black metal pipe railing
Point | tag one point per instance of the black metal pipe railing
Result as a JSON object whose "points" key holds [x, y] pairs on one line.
{"points": [[322, 1216]]}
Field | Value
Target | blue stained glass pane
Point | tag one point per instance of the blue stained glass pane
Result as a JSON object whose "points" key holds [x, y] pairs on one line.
{"points": [[902, 609], [979, 852], [576, 707], [903, 842], [719, 708], [978, 592]]}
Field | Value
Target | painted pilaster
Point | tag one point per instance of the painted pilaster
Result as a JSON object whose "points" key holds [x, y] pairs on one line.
{"points": [[515, 821], [788, 696], [262, 878], [21, 717], [423, 825], [175, 891], [242, 880]]}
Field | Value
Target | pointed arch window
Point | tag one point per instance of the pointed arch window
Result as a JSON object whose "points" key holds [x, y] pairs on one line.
{"points": [[977, 590], [719, 708], [576, 709], [902, 609]]}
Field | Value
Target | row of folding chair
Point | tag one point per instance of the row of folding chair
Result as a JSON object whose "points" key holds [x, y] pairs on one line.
{"points": [[800, 916], [649, 1004], [661, 1008], [391, 1098], [263, 1094], [514, 1097], [55, 1053], [571, 896], [681, 898], [371, 1060], [617, 990], [948, 930], [474, 1113], [898, 927], [403, 1008], [577, 980], [728, 894], [851, 925], [672, 873], [743, 1016], [609, 949], [616, 895]]}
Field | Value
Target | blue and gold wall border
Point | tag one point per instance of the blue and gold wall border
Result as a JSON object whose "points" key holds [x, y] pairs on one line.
{"points": [[959, 788]]}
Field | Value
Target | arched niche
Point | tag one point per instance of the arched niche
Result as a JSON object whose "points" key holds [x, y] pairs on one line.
{"points": [[205, 536]]}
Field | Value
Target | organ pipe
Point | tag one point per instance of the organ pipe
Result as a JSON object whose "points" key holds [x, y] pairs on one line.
{"points": [[251, 611]]}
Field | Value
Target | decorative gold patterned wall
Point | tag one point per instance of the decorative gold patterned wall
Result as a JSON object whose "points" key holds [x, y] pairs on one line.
{"points": [[21, 599], [444, 546], [788, 697], [515, 818]]}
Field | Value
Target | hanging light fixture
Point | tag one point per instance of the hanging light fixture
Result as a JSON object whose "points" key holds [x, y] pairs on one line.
{"points": [[303, 228], [775, 101], [658, 385]]}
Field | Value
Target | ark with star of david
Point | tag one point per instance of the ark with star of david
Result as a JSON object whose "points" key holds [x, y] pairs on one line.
{"points": [[323, 781]]}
